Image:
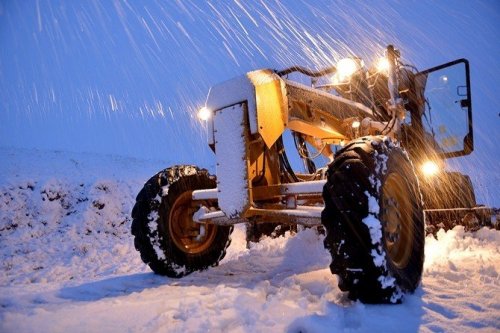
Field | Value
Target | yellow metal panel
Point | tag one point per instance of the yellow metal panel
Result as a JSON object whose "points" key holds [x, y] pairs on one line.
{"points": [[271, 105], [231, 145], [317, 130]]}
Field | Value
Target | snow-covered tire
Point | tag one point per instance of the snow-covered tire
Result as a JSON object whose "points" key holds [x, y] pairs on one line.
{"points": [[165, 234], [374, 221], [448, 190]]}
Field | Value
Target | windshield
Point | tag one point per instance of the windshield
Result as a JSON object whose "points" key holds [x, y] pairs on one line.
{"points": [[447, 115]]}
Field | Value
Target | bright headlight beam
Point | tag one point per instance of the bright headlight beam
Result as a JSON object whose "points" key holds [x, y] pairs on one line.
{"points": [[345, 68], [204, 113], [430, 168], [382, 65]]}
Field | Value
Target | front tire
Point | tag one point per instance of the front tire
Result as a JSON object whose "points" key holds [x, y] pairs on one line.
{"points": [[374, 221], [166, 236]]}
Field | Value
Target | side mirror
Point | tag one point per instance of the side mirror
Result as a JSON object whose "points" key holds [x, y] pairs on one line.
{"points": [[448, 113]]}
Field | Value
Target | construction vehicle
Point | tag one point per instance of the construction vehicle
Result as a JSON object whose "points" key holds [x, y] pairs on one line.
{"points": [[385, 132]]}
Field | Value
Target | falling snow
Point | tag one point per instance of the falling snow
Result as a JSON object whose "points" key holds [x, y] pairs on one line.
{"points": [[125, 78]]}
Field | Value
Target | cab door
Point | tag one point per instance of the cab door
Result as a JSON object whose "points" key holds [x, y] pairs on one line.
{"points": [[447, 119]]}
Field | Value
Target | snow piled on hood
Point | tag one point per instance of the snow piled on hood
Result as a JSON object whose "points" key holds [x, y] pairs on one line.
{"points": [[68, 264]]}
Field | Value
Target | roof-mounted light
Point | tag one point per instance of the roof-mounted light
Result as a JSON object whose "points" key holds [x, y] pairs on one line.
{"points": [[382, 65], [346, 68]]}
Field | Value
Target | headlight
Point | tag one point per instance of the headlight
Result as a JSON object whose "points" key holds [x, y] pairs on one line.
{"points": [[429, 168], [382, 65], [204, 113], [345, 69]]}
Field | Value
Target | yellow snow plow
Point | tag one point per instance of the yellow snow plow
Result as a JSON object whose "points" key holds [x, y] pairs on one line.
{"points": [[384, 133]]}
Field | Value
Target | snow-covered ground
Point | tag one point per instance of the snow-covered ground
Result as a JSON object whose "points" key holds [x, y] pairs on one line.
{"points": [[68, 265]]}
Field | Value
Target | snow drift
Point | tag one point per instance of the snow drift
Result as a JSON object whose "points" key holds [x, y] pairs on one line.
{"points": [[68, 264]]}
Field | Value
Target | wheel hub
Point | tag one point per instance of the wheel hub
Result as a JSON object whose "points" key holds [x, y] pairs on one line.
{"points": [[397, 219], [189, 236]]}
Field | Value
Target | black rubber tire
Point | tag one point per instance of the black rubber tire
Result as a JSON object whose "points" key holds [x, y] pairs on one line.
{"points": [[447, 190], [152, 228], [354, 198]]}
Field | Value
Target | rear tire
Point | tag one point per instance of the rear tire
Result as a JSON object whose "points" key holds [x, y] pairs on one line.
{"points": [[374, 221], [165, 234], [449, 190]]}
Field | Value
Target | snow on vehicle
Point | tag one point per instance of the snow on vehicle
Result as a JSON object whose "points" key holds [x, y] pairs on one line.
{"points": [[391, 127]]}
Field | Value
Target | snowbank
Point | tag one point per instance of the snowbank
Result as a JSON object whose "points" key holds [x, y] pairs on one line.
{"points": [[68, 264]]}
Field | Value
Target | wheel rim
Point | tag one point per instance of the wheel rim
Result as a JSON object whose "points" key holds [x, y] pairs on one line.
{"points": [[397, 219], [189, 236]]}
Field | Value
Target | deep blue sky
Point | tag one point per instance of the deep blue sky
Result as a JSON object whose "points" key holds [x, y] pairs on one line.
{"points": [[126, 77]]}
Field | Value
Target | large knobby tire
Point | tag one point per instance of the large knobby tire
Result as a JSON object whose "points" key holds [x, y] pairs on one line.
{"points": [[374, 221], [166, 236], [449, 190]]}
